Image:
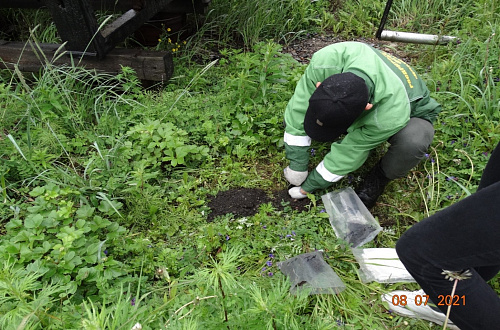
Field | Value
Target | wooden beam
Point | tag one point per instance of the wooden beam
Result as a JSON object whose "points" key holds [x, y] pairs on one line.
{"points": [[130, 22], [149, 65], [77, 25]]}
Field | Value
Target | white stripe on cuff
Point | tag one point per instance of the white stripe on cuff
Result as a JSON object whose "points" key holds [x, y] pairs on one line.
{"points": [[327, 175], [299, 141]]}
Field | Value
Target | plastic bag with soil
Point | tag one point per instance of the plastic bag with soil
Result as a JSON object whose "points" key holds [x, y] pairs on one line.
{"points": [[349, 217], [309, 271]]}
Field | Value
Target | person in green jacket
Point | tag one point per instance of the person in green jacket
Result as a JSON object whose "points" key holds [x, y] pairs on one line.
{"points": [[368, 97]]}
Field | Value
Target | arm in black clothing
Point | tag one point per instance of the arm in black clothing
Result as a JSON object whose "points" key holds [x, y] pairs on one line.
{"points": [[491, 173]]}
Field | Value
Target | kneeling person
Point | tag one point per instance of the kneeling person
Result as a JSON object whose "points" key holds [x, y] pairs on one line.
{"points": [[370, 96]]}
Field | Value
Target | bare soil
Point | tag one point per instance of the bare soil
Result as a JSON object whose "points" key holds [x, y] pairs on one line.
{"points": [[245, 202]]}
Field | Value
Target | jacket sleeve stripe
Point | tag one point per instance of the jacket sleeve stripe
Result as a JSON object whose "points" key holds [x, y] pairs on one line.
{"points": [[327, 175], [294, 140]]}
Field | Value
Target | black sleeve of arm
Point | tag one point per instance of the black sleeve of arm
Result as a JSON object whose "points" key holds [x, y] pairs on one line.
{"points": [[491, 173]]}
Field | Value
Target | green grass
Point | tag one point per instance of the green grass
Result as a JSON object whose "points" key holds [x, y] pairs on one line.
{"points": [[125, 174]]}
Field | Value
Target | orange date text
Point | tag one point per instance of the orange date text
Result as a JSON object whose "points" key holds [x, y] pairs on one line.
{"points": [[402, 300], [448, 300]]}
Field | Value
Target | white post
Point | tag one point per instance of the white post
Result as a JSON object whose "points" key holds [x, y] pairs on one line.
{"points": [[417, 38]]}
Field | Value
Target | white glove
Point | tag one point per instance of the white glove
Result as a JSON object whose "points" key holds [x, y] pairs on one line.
{"points": [[295, 177], [295, 193]]}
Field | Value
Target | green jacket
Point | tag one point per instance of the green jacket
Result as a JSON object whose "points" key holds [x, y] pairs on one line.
{"points": [[396, 92]]}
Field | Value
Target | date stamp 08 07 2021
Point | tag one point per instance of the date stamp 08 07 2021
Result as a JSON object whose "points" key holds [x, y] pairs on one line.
{"points": [[444, 300]]}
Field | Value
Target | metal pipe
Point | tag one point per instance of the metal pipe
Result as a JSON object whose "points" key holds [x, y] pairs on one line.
{"points": [[417, 38]]}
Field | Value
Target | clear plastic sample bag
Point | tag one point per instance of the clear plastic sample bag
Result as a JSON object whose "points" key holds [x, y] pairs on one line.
{"points": [[349, 217], [311, 272], [381, 265]]}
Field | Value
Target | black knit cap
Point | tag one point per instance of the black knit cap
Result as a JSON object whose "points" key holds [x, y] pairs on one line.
{"points": [[334, 106]]}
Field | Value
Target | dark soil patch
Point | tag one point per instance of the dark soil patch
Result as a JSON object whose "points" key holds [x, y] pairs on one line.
{"points": [[245, 202]]}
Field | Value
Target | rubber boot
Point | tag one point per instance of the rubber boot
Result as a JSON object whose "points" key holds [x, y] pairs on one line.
{"points": [[372, 186]]}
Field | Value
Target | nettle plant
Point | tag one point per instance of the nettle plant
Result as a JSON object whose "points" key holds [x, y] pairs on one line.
{"points": [[163, 145], [138, 157], [60, 235], [259, 85]]}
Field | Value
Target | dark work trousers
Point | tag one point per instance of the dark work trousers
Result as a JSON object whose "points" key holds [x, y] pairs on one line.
{"points": [[463, 236], [407, 148]]}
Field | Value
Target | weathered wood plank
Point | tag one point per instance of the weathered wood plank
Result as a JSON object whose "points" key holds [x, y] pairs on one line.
{"points": [[149, 65]]}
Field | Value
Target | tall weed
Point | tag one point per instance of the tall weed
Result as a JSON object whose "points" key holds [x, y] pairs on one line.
{"points": [[20, 24], [25, 302], [250, 22]]}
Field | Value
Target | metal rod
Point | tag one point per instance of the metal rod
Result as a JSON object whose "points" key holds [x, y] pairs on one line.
{"points": [[384, 18], [417, 38]]}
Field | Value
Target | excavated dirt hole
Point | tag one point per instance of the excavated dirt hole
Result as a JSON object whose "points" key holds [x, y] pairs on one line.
{"points": [[244, 202]]}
